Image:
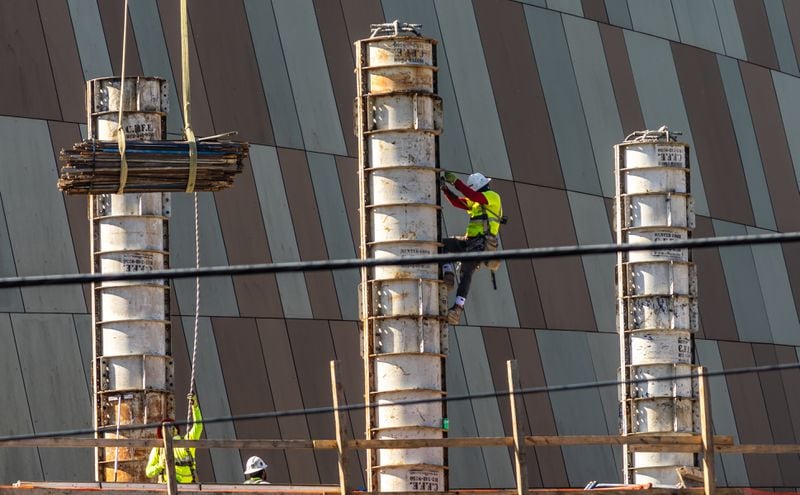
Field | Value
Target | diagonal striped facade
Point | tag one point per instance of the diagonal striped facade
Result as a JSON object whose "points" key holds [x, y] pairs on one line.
{"points": [[535, 93]]}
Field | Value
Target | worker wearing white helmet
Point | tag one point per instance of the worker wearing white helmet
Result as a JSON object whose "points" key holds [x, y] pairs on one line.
{"points": [[256, 471], [485, 210]]}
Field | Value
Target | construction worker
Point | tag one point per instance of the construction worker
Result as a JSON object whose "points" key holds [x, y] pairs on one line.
{"points": [[256, 471], [485, 212], [185, 467]]}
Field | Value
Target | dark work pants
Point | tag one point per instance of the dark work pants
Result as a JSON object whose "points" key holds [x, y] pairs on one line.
{"points": [[464, 245]]}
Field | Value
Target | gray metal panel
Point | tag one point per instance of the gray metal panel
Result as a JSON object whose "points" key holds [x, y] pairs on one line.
{"points": [[146, 22], [746, 139], [538, 3], [83, 330], [563, 100], [217, 297], [722, 412], [15, 464], [661, 98], [488, 306], [280, 231], [36, 215], [597, 95], [606, 361], [567, 6], [452, 143], [308, 73], [54, 383], [213, 398], [591, 227], [89, 36], [10, 299], [467, 466], [333, 218], [576, 411], [618, 13], [787, 89], [653, 17], [487, 149], [780, 34], [777, 291], [730, 29], [487, 412], [747, 300], [274, 75], [697, 24]]}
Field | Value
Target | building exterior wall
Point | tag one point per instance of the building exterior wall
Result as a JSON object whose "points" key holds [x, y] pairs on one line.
{"points": [[535, 94]]}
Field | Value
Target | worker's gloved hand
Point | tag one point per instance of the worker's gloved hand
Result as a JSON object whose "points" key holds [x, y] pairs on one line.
{"points": [[450, 177], [192, 398]]}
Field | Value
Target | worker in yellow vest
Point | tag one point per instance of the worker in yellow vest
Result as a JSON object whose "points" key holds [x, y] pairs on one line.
{"points": [[485, 210], [185, 466]]}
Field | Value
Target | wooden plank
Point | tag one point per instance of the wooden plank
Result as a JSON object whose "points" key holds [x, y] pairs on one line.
{"points": [[172, 483], [520, 456], [707, 432], [341, 428]]}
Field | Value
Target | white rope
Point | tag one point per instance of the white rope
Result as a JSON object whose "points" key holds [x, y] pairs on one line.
{"points": [[196, 303], [116, 449]]}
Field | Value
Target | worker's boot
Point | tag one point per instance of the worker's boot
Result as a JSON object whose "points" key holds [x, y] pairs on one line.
{"points": [[454, 314]]}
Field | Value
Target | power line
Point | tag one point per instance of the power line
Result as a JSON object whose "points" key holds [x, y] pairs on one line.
{"points": [[452, 398], [341, 264]]}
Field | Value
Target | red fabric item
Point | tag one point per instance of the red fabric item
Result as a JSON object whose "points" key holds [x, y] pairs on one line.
{"points": [[471, 194], [454, 200]]}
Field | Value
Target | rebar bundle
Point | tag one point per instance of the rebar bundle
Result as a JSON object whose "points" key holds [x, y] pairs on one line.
{"points": [[94, 167]]}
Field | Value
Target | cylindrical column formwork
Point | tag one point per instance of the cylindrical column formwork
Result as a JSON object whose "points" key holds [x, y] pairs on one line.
{"points": [[398, 120], [132, 347], [656, 300]]}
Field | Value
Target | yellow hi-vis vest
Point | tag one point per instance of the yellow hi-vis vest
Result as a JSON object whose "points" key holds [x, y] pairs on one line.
{"points": [[484, 219], [185, 467]]}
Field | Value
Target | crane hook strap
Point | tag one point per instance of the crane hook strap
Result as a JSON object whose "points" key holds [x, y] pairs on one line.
{"points": [[123, 169], [187, 90]]}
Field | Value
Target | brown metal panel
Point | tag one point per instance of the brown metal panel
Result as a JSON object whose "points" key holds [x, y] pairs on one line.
{"points": [[246, 242], [518, 92], [27, 88], [313, 350], [201, 112], [595, 10], [64, 135], [230, 70], [712, 130], [756, 32], [339, 55], [64, 59], [778, 411], [520, 272], [112, 13], [752, 420], [498, 351], [347, 345], [358, 15], [791, 384], [551, 469], [182, 372], [308, 232], [248, 387], [773, 147], [348, 180], [277, 354], [716, 313], [792, 10], [546, 216], [619, 68]]}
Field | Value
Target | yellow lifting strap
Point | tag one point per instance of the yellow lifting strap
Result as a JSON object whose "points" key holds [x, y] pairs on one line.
{"points": [[123, 169], [186, 89]]}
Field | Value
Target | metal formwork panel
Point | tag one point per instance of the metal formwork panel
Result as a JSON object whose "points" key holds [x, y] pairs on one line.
{"points": [[656, 299], [398, 121]]}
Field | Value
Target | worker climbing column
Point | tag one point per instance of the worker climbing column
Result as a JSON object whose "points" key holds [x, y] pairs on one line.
{"points": [[133, 368], [656, 300], [398, 120]]}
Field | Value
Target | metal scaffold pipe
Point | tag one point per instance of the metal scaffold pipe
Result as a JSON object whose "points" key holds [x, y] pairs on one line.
{"points": [[133, 368], [398, 122], [656, 300]]}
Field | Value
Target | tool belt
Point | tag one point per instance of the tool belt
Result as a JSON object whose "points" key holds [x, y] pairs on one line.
{"points": [[490, 244]]}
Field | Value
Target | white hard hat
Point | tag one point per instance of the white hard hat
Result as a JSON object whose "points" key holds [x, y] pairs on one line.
{"points": [[477, 181], [254, 465]]}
